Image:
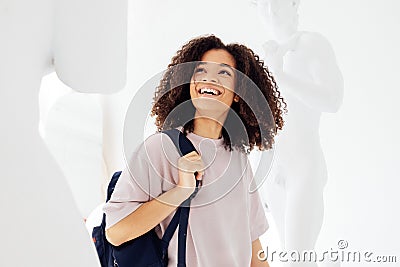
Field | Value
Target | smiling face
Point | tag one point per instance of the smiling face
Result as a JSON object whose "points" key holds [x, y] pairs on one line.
{"points": [[212, 84]]}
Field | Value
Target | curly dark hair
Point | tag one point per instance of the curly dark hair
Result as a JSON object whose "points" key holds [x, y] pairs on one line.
{"points": [[173, 91]]}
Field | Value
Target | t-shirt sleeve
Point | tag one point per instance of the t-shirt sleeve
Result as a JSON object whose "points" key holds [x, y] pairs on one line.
{"points": [[137, 184], [126, 198], [258, 221]]}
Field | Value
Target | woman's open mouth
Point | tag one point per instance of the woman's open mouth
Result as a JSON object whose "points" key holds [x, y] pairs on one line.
{"points": [[208, 91]]}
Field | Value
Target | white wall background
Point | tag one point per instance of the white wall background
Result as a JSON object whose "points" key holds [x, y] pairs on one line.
{"points": [[360, 141]]}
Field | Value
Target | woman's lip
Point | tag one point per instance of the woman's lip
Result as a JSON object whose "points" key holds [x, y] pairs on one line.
{"points": [[210, 87]]}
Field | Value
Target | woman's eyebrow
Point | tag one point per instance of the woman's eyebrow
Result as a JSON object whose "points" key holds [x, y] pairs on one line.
{"points": [[226, 65], [220, 64]]}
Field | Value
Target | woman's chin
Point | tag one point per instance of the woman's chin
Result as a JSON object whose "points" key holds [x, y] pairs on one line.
{"points": [[210, 108]]}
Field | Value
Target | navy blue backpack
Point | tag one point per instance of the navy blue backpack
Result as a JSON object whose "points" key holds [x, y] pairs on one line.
{"points": [[148, 249]]}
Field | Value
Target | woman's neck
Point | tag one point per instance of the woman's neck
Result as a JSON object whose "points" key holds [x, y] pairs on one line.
{"points": [[207, 128]]}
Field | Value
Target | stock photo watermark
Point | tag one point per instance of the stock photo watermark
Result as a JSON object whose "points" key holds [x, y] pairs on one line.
{"points": [[339, 254]]}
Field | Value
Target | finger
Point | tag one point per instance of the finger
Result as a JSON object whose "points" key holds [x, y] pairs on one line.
{"points": [[191, 168], [193, 158], [191, 154], [198, 164], [189, 159], [193, 161], [199, 175]]}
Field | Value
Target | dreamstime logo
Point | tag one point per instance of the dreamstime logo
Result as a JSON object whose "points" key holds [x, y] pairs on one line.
{"points": [[333, 255], [342, 244], [138, 118]]}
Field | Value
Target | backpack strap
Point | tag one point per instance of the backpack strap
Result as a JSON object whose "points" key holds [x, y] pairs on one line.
{"points": [[181, 216], [112, 184], [103, 250], [182, 234], [181, 142], [110, 190], [184, 146]]}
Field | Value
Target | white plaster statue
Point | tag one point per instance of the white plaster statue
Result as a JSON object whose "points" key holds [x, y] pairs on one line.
{"points": [[85, 42], [304, 66], [114, 108]]}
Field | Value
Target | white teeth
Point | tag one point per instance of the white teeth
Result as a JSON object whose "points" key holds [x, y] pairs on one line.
{"points": [[209, 91]]}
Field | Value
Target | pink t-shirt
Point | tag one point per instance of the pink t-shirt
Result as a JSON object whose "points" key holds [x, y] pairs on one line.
{"points": [[224, 217]]}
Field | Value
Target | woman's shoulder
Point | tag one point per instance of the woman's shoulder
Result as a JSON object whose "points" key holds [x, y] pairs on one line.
{"points": [[158, 141], [158, 146], [153, 140]]}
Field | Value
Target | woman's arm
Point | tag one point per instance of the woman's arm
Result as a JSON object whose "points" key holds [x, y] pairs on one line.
{"points": [[151, 213], [255, 261], [147, 216]]}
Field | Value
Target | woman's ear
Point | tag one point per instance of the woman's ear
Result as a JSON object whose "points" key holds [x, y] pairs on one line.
{"points": [[236, 98]]}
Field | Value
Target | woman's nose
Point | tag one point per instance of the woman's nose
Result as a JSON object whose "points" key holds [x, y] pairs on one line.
{"points": [[210, 78]]}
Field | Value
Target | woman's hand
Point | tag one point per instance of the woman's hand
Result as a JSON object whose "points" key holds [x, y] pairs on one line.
{"points": [[188, 165], [151, 213]]}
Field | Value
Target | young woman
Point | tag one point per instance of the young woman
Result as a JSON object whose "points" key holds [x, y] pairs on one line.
{"points": [[219, 118]]}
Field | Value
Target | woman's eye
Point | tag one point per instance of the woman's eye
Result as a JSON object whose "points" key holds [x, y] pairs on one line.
{"points": [[225, 72], [199, 70]]}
